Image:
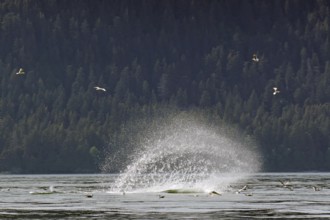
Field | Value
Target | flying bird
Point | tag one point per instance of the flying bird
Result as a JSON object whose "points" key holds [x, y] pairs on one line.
{"points": [[255, 58], [275, 90], [242, 189], [286, 184], [100, 89], [20, 72]]}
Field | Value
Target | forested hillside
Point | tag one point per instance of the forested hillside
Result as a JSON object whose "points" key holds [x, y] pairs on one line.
{"points": [[222, 56]]}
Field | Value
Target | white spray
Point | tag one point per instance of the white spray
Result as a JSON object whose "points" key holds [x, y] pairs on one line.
{"points": [[186, 154]]}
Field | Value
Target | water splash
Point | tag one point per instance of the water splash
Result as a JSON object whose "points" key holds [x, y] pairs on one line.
{"points": [[186, 155]]}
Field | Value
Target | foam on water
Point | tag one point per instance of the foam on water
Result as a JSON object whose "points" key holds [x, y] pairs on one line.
{"points": [[186, 155]]}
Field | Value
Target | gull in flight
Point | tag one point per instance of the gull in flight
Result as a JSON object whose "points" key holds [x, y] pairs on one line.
{"points": [[275, 90], [242, 189], [20, 72], [286, 184], [255, 58], [100, 89]]}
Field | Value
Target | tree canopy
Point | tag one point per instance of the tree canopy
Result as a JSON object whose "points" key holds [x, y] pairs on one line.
{"points": [[147, 54]]}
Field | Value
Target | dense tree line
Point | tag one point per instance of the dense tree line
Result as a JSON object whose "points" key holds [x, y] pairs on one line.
{"points": [[147, 54]]}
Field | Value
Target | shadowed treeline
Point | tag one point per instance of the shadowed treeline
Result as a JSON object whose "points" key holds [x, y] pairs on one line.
{"points": [[150, 54]]}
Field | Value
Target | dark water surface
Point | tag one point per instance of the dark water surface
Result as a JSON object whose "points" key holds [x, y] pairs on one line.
{"points": [[299, 196]]}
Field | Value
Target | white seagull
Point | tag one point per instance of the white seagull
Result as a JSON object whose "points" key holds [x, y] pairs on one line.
{"points": [[286, 184], [255, 58], [20, 72], [242, 189], [275, 90], [100, 89]]}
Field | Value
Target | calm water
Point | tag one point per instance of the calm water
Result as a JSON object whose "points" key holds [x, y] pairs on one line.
{"points": [[89, 197]]}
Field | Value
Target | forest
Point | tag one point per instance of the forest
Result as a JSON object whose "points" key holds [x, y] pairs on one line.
{"points": [[223, 57]]}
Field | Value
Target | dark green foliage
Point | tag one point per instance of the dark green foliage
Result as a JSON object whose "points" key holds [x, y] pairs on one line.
{"points": [[149, 54]]}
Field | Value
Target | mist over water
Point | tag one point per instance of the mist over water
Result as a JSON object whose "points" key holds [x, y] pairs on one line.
{"points": [[185, 153]]}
